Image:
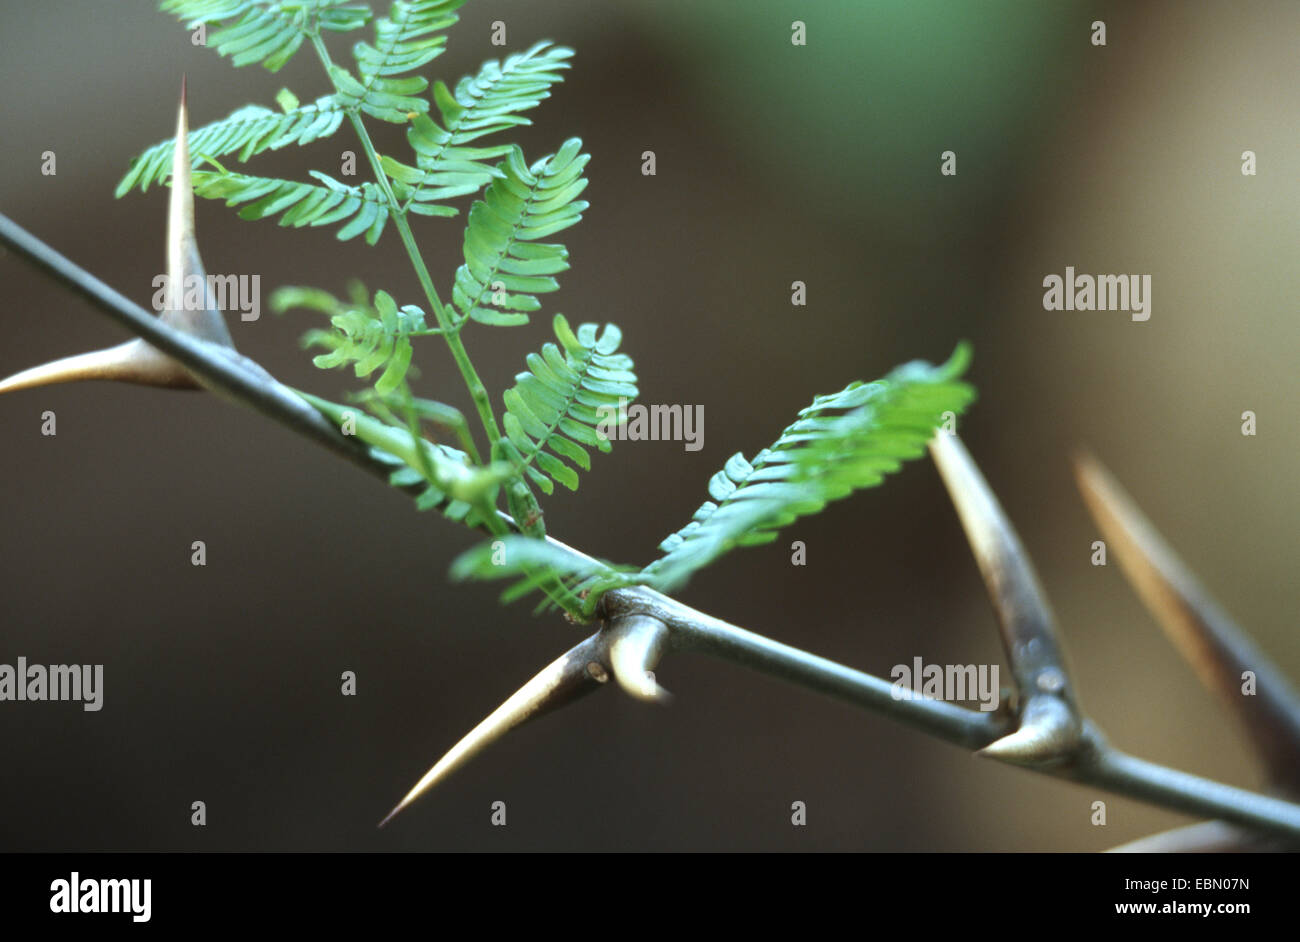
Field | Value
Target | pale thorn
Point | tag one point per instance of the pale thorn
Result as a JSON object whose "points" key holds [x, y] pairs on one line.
{"points": [[132, 362], [1208, 837], [1049, 732], [183, 261], [136, 361], [578, 671], [636, 642], [1050, 722], [1219, 651]]}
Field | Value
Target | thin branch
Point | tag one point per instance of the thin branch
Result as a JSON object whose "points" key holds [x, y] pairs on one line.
{"points": [[242, 381], [1155, 784], [691, 630], [1096, 763]]}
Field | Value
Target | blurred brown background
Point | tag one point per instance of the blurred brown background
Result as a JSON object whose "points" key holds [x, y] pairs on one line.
{"points": [[775, 163]]}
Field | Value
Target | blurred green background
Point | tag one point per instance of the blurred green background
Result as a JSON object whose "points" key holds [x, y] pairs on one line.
{"points": [[776, 163]]}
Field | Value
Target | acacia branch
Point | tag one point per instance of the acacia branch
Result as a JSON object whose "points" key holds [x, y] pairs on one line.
{"points": [[1091, 761]]}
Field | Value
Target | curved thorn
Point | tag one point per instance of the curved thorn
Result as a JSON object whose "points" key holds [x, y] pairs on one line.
{"points": [[1050, 722], [1219, 651], [1208, 837], [1049, 731], [636, 643], [578, 671]]}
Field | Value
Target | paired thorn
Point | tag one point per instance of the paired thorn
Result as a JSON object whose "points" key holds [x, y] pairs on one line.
{"points": [[1219, 651], [629, 649], [1052, 734], [136, 361], [1051, 727]]}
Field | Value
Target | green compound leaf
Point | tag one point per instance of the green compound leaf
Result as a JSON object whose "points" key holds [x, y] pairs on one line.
{"points": [[360, 209], [409, 37], [247, 132], [569, 401], [266, 31], [486, 103], [506, 266], [367, 335], [841, 443]]}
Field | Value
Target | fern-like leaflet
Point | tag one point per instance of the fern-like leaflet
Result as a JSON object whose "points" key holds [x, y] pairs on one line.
{"points": [[247, 132], [408, 38], [505, 266], [485, 103], [567, 402], [266, 31], [373, 335], [367, 335], [361, 209], [824, 456]]}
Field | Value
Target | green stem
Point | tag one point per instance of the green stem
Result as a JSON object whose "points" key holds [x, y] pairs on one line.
{"points": [[478, 392], [519, 496]]}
